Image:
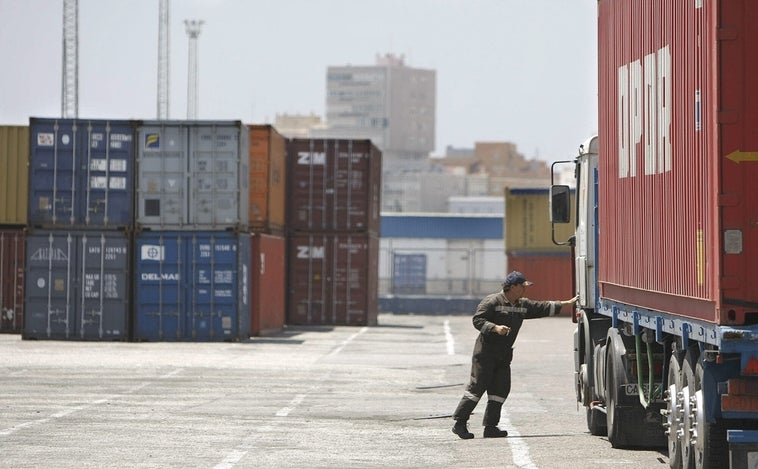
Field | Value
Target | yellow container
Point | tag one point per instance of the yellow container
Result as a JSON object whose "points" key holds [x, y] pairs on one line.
{"points": [[527, 221], [14, 174]]}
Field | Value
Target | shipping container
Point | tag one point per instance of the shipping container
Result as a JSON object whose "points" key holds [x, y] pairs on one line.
{"points": [[679, 156], [192, 175], [268, 151], [77, 285], [14, 175], [81, 174], [527, 223], [12, 262], [188, 286], [332, 278], [551, 272], [333, 185], [268, 276]]}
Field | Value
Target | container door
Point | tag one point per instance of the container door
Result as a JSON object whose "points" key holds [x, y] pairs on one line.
{"points": [[103, 286], [50, 286], [211, 289], [162, 176], [105, 195], [56, 156], [12, 260], [308, 280], [215, 175], [159, 293]]}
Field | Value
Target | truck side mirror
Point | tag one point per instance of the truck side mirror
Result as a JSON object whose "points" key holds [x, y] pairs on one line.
{"points": [[560, 204]]}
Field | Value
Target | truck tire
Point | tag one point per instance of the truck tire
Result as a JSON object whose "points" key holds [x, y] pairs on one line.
{"points": [[596, 422], [711, 450], [613, 418], [674, 411]]}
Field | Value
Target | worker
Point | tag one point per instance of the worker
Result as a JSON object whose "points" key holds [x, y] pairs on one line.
{"points": [[498, 319]]}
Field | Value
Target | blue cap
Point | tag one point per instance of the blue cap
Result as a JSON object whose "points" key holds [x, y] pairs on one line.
{"points": [[516, 278]]}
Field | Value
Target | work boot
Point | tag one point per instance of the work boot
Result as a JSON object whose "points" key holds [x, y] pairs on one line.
{"points": [[461, 429], [494, 432]]}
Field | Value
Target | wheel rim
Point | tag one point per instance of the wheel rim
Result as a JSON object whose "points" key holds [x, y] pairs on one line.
{"points": [[686, 406], [673, 420], [674, 413], [698, 435]]}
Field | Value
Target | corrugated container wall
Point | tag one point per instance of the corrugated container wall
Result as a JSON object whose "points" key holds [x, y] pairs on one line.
{"points": [[334, 185], [14, 174], [192, 175], [189, 286], [267, 179], [77, 285], [332, 278], [527, 221], [677, 115], [268, 274], [12, 262], [550, 271], [81, 174]]}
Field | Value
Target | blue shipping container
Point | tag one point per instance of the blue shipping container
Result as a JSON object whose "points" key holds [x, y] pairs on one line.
{"points": [[77, 285], [81, 173], [192, 286]]}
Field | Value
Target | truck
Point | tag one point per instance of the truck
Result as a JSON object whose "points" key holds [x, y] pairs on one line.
{"points": [[665, 244]]}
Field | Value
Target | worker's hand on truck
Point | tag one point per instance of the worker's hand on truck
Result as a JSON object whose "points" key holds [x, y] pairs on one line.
{"points": [[501, 330]]}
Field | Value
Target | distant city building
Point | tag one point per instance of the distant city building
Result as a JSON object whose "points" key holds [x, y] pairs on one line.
{"points": [[297, 125], [390, 103]]}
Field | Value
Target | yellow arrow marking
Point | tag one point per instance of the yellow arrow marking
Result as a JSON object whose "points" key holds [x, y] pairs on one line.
{"points": [[740, 156]]}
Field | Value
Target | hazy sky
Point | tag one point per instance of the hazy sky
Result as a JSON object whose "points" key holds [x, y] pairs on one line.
{"points": [[507, 70]]}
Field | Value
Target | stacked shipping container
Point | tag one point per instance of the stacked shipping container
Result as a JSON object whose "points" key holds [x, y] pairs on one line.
{"points": [[267, 216], [192, 255], [77, 252], [333, 194], [14, 158]]}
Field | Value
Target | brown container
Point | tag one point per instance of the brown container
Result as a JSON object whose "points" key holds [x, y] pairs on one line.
{"points": [[12, 280], [333, 185], [267, 179], [14, 174], [267, 284], [527, 221], [332, 279], [550, 271]]}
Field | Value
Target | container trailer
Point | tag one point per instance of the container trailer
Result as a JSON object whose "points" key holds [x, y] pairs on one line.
{"points": [[666, 233]]}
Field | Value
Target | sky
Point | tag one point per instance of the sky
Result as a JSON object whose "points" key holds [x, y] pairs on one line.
{"points": [[521, 71]]}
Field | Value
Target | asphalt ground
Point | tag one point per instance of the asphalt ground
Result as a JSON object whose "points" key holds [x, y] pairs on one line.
{"points": [[311, 397]]}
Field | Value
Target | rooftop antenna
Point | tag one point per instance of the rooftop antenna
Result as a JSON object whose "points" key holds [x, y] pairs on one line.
{"points": [[163, 60], [70, 73], [193, 31]]}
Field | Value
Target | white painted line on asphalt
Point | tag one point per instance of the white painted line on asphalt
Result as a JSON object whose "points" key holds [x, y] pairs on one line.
{"points": [[347, 341], [285, 411], [449, 338], [231, 459], [172, 373], [519, 449], [15, 428]]}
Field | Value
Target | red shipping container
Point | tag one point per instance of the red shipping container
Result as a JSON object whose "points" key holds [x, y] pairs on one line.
{"points": [[333, 185], [267, 284], [333, 279], [12, 260], [678, 110], [551, 272]]}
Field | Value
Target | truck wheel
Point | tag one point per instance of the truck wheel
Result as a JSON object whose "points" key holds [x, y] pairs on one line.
{"points": [[615, 434], [596, 422], [711, 450], [689, 388], [674, 412]]}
